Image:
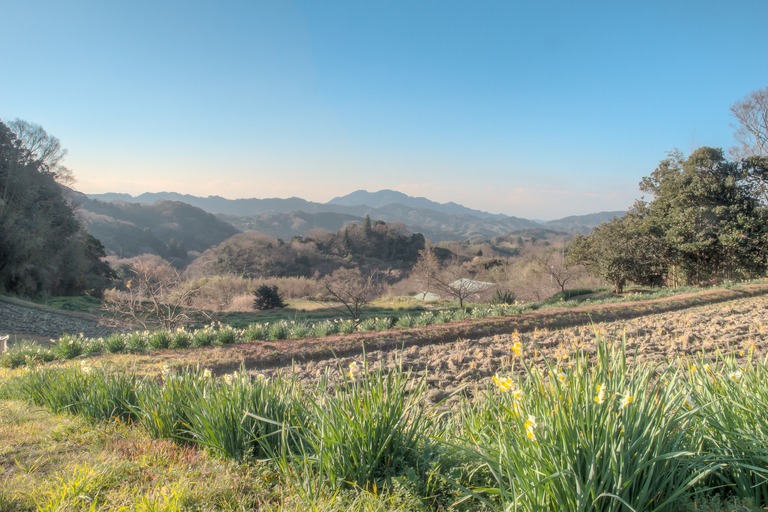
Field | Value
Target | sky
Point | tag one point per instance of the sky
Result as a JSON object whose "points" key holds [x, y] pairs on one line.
{"points": [[537, 109]]}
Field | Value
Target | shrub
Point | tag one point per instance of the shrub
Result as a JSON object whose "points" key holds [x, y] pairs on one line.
{"points": [[267, 297], [503, 297], [136, 342], [346, 326], [70, 346], [159, 340], [26, 353], [405, 322], [278, 330], [729, 401], [586, 437], [299, 330], [97, 394], [424, 319], [204, 337], [324, 328], [161, 406], [257, 331], [480, 312], [375, 324], [115, 343], [367, 429], [238, 417], [461, 314], [226, 335], [180, 338]]}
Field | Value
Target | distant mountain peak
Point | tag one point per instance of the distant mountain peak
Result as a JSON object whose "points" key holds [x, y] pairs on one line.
{"points": [[295, 216], [386, 197]]}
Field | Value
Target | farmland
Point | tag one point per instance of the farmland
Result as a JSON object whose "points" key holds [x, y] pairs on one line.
{"points": [[496, 413]]}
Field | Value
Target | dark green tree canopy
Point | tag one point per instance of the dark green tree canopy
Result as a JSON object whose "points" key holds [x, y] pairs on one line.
{"points": [[709, 213], [622, 250], [43, 248], [704, 223]]}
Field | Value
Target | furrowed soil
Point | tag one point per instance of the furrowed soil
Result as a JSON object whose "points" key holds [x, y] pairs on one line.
{"points": [[465, 355]]}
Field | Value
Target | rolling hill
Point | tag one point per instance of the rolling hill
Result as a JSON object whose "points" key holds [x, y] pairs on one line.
{"points": [[180, 227], [285, 218], [174, 230]]}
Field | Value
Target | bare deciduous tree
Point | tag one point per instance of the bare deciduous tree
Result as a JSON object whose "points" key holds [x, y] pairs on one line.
{"points": [[752, 132], [154, 296], [43, 148], [353, 290], [557, 267], [426, 268]]}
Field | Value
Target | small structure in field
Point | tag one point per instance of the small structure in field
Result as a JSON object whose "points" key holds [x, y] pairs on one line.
{"points": [[470, 285], [427, 296], [4, 343]]}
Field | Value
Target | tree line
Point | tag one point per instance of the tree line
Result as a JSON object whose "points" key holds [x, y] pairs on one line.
{"points": [[706, 221]]}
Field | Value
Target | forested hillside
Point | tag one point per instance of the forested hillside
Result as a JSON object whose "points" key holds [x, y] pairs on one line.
{"points": [[43, 248], [173, 230], [374, 245]]}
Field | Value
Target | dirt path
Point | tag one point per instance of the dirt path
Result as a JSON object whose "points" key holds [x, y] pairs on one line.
{"points": [[41, 323]]}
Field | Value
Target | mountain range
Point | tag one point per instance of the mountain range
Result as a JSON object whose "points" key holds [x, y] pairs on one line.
{"points": [[285, 218]]}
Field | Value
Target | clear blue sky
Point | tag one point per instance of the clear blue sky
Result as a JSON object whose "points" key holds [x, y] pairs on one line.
{"points": [[538, 109]]}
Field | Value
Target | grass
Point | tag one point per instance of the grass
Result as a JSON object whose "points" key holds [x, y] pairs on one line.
{"points": [[589, 436], [82, 304], [587, 433], [366, 430], [55, 462]]}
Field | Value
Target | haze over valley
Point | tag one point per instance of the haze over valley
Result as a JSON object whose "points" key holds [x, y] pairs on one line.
{"points": [[286, 218]]}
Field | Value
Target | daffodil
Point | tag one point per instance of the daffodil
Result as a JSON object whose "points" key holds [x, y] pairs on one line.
{"points": [[600, 396], [735, 376], [530, 424], [626, 400], [352, 370], [207, 373], [561, 377], [503, 383]]}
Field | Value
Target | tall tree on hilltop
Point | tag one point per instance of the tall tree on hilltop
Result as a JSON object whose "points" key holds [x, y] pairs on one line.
{"points": [[704, 224], [45, 150], [752, 132], [752, 137]]}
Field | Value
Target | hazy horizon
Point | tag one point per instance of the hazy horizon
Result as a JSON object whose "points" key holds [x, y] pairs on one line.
{"points": [[544, 219], [534, 110]]}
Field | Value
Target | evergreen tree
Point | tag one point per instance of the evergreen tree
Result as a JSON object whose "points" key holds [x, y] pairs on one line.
{"points": [[705, 223], [710, 216], [267, 297]]}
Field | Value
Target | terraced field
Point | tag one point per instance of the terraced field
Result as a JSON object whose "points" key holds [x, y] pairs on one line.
{"points": [[467, 354]]}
